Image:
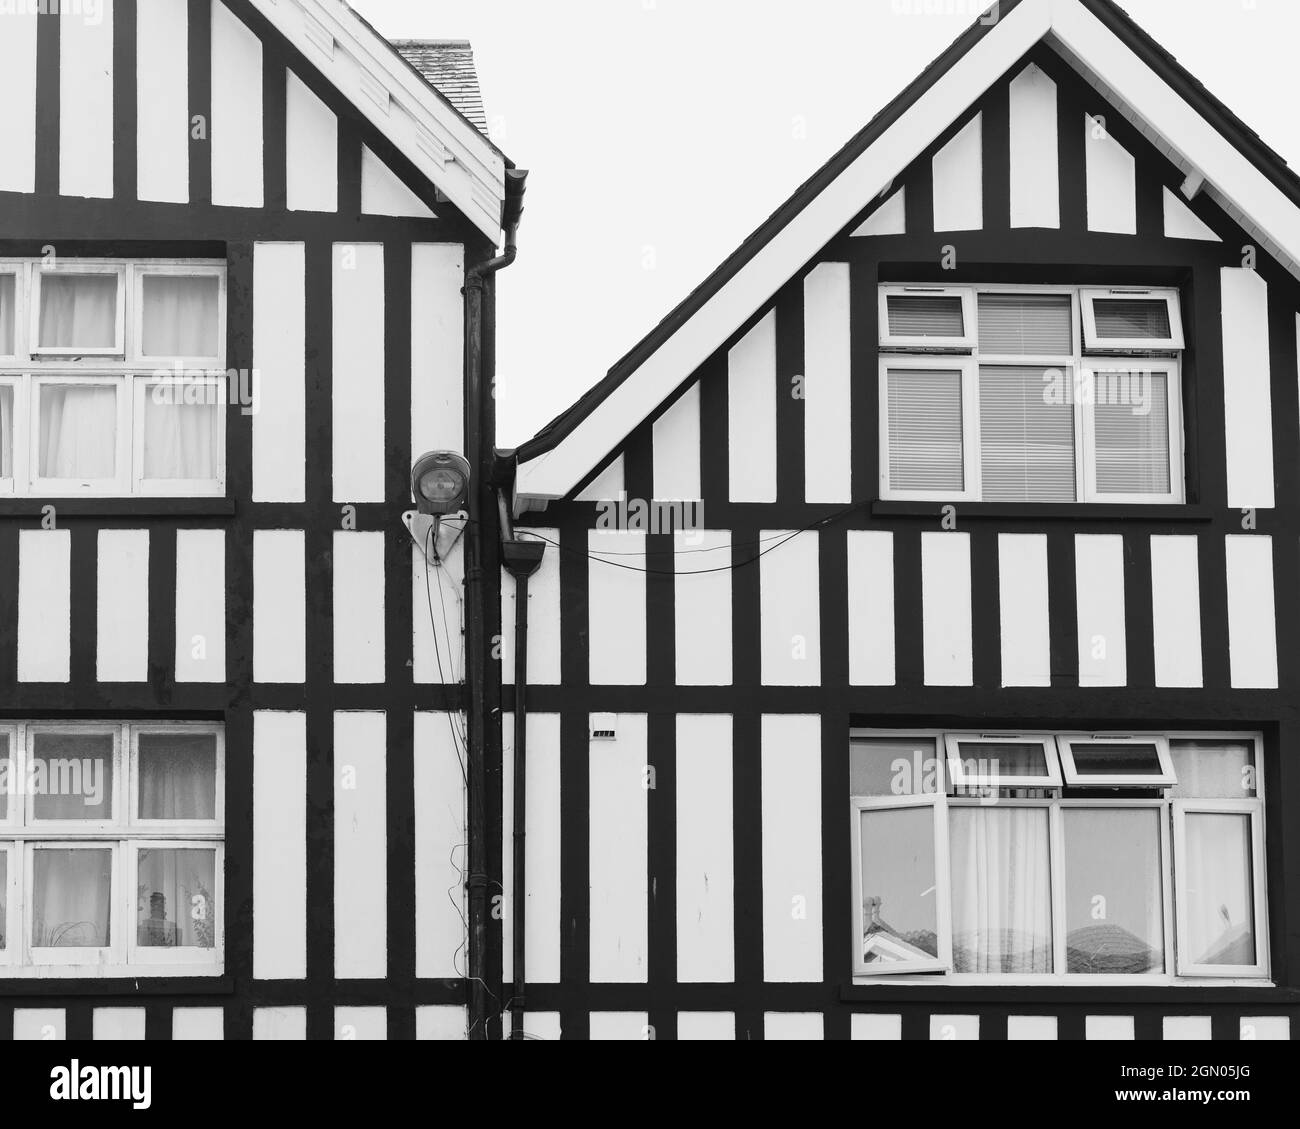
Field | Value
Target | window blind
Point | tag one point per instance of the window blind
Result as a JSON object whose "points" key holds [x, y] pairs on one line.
{"points": [[926, 315], [1026, 325], [1131, 423], [7, 309], [1027, 448], [1136, 319], [925, 430]]}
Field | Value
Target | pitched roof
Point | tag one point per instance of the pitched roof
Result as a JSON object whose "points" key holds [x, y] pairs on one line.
{"points": [[448, 65], [1243, 175], [449, 149]]}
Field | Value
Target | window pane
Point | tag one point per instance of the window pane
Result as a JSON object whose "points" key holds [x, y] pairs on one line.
{"points": [[925, 316], [71, 776], [1121, 759], [6, 431], [177, 776], [1131, 418], [1027, 434], [1113, 903], [78, 431], [1214, 770], [176, 904], [8, 784], [8, 308], [71, 899], [1001, 890], [894, 766], [180, 316], [987, 758], [1026, 325], [1123, 319], [925, 430], [4, 898], [1217, 882], [180, 431], [898, 887], [78, 311]]}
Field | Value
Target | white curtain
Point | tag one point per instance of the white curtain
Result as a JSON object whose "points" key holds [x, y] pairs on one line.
{"points": [[78, 311], [178, 778], [78, 431], [73, 775], [180, 316], [1001, 890], [71, 899], [176, 899], [180, 436], [4, 892], [1217, 885], [6, 431], [6, 314]]}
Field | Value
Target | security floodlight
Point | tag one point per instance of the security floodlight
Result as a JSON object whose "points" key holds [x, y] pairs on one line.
{"points": [[440, 483]]}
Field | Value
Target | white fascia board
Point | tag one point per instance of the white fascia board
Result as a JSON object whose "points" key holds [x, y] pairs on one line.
{"points": [[1194, 144], [553, 474], [448, 150]]}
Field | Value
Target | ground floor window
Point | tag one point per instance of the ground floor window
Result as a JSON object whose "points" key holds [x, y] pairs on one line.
{"points": [[1059, 856], [111, 849]]}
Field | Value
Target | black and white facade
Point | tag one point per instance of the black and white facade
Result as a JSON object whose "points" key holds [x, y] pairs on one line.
{"points": [[233, 241], [911, 656]]}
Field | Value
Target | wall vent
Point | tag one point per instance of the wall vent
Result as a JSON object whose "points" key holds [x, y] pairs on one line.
{"points": [[604, 727]]}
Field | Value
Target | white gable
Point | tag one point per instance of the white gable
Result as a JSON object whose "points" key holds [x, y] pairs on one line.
{"points": [[399, 103], [1191, 142]]}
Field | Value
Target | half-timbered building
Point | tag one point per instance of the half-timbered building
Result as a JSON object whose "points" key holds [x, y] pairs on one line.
{"points": [[910, 655], [233, 242]]}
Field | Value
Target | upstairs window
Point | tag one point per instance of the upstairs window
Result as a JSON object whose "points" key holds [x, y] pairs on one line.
{"points": [[112, 378], [1043, 395], [1040, 858]]}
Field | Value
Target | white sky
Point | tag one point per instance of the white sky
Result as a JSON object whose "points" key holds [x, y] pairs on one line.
{"points": [[660, 133]]}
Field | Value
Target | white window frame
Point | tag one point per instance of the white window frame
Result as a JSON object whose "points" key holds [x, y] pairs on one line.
{"points": [[39, 956], [162, 956], [1253, 810], [1172, 370], [1167, 778], [1079, 369], [22, 836], [936, 804], [29, 368], [965, 343], [16, 483], [1176, 340], [969, 431], [18, 272], [1175, 974], [73, 487], [61, 828], [176, 487], [41, 271], [12, 920], [963, 780], [143, 270]]}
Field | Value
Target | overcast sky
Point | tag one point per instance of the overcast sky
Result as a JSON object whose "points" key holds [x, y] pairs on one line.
{"points": [[660, 133]]}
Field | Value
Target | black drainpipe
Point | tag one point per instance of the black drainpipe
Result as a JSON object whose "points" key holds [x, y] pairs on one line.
{"points": [[482, 673], [521, 559]]}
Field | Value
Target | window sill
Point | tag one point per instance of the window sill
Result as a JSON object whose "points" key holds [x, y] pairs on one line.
{"points": [[1029, 511], [134, 983], [118, 507], [1060, 995]]}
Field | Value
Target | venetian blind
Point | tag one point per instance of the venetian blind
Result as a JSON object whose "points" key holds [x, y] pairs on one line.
{"points": [[1131, 422], [1026, 325], [925, 430], [1027, 448], [926, 315], [1131, 319]]}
